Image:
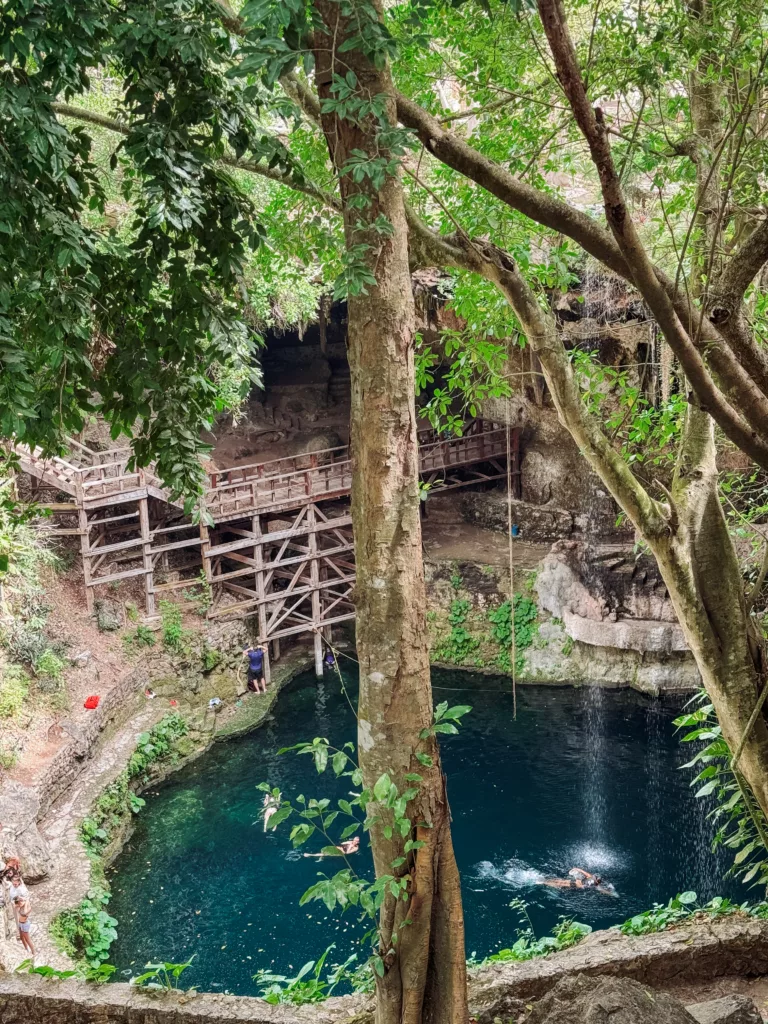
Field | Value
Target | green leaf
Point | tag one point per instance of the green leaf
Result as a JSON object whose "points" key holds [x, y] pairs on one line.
{"points": [[382, 787]]}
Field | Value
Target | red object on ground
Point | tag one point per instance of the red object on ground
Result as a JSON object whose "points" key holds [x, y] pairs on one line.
{"points": [[92, 702], [173, 703]]}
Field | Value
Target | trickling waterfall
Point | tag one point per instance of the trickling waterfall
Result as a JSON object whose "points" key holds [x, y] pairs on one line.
{"points": [[594, 743], [655, 722]]}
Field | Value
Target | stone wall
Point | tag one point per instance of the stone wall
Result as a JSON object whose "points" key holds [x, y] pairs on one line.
{"points": [[471, 590], [696, 953]]}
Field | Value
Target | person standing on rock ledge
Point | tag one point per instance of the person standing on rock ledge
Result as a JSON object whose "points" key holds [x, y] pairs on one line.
{"points": [[256, 680], [22, 908]]}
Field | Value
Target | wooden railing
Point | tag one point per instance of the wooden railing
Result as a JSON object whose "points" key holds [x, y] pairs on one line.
{"points": [[275, 484]]}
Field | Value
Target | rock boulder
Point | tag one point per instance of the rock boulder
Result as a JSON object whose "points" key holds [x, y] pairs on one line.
{"points": [[581, 1000], [735, 1009], [19, 809]]}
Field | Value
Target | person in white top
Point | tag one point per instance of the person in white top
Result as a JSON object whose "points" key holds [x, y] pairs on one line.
{"points": [[17, 889]]}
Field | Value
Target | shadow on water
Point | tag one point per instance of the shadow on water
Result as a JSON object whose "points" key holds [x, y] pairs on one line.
{"points": [[584, 777]]}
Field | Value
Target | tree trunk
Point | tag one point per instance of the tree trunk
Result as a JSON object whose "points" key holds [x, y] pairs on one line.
{"points": [[421, 938], [700, 567]]}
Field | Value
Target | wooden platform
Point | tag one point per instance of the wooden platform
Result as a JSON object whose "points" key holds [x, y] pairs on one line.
{"points": [[281, 546]]}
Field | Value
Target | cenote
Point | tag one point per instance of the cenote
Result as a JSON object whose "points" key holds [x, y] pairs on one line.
{"points": [[584, 777]]}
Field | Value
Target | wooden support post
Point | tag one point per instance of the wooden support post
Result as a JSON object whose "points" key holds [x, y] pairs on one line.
{"points": [[82, 522], [258, 558], [314, 578], [146, 548], [205, 554]]}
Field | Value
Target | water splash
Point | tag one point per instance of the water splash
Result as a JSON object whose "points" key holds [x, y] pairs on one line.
{"points": [[594, 857], [512, 874]]}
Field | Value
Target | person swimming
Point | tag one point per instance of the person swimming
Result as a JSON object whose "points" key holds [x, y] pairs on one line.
{"points": [[350, 846], [270, 804], [578, 878]]}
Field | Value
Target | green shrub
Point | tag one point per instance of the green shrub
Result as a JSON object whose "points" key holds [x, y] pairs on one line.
{"points": [[49, 665], [685, 905], [162, 977], [174, 635], [8, 757], [87, 931], [459, 644], [308, 986], [211, 658], [565, 934], [525, 629], [202, 598], [141, 637], [118, 799], [14, 688], [24, 639]]}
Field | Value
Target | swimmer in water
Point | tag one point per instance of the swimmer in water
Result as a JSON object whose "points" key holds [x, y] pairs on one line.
{"points": [[350, 846], [578, 878], [271, 804]]}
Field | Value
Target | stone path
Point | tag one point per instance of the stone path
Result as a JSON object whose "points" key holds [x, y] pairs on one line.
{"points": [[70, 880]]}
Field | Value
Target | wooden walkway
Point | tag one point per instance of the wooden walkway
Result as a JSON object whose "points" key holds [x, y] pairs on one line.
{"points": [[280, 547]]}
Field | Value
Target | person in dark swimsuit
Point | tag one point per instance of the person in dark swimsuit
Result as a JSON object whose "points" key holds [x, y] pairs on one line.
{"points": [[255, 656], [578, 878]]}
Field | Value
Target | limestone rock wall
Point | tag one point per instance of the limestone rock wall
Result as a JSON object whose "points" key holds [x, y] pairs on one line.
{"points": [[462, 594], [691, 956]]}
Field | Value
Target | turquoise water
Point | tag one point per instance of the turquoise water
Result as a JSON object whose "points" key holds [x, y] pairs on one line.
{"points": [[584, 777]]}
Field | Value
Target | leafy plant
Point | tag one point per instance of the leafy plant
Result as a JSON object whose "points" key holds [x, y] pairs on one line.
{"points": [[8, 757], [459, 644], [202, 598], [141, 637], [43, 970], [87, 931], [14, 689], [741, 825], [49, 665], [683, 906], [174, 635], [525, 629], [118, 799], [211, 658], [308, 986], [163, 976], [565, 934]]}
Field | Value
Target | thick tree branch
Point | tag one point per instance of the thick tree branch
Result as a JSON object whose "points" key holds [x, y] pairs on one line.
{"points": [[548, 210], [540, 329], [302, 95], [559, 216], [252, 166], [743, 432], [745, 264]]}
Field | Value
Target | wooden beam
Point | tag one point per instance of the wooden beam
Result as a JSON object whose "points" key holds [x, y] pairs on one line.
{"points": [[115, 519], [177, 544], [117, 576], [176, 585], [277, 537], [105, 549], [149, 565], [314, 576]]}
